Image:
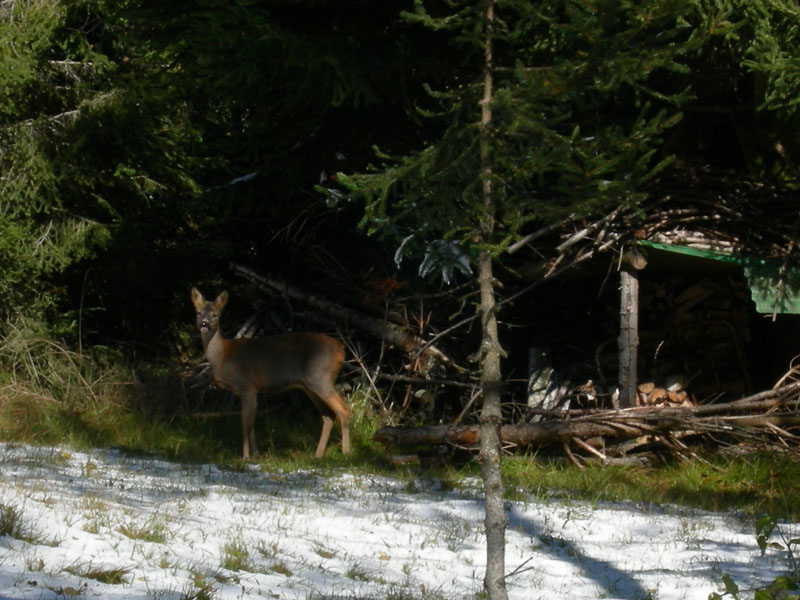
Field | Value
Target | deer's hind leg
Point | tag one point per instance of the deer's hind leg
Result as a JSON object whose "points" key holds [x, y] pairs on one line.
{"points": [[331, 407], [342, 411]]}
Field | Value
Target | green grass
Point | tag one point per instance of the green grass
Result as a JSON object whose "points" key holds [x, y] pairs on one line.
{"points": [[113, 576], [14, 524], [236, 557], [754, 483], [51, 395], [153, 530], [201, 589]]}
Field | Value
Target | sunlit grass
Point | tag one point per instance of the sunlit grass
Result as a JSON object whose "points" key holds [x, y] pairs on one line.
{"points": [[236, 557], [153, 530], [111, 576], [752, 483], [51, 395], [201, 588], [14, 523]]}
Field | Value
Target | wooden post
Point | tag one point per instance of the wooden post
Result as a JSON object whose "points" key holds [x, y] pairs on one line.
{"points": [[628, 337]]}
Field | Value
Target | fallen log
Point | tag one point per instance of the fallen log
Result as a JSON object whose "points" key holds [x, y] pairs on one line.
{"points": [[542, 433], [551, 432]]}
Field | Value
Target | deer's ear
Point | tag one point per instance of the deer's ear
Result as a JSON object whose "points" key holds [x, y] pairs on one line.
{"points": [[221, 300], [197, 298]]}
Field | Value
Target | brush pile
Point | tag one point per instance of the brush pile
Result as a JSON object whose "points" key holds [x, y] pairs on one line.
{"points": [[767, 420]]}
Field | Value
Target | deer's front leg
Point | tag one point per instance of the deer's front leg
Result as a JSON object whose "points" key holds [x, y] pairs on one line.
{"points": [[249, 403]]}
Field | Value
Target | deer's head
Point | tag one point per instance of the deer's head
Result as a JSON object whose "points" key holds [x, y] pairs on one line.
{"points": [[208, 312]]}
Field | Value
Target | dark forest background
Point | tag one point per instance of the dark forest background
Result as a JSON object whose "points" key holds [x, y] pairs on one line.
{"points": [[147, 146]]}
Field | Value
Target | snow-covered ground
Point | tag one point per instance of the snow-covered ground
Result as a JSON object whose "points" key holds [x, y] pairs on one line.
{"points": [[105, 525]]}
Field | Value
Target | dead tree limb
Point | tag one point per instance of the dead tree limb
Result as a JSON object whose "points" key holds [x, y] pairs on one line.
{"points": [[379, 328], [427, 381]]}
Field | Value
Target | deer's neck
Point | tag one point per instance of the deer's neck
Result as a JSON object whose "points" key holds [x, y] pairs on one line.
{"points": [[213, 344]]}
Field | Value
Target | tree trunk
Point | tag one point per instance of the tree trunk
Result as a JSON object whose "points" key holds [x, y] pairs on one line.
{"points": [[628, 337], [490, 423], [491, 380]]}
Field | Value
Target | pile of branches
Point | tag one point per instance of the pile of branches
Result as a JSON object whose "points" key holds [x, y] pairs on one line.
{"points": [[769, 419], [724, 212], [698, 208]]}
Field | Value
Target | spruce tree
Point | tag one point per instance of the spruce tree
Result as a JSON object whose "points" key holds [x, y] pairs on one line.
{"points": [[45, 77], [556, 109], [96, 161]]}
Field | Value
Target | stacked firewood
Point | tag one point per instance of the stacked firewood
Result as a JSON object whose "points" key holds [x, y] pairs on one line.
{"points": [[674, 395], [697, 328]]}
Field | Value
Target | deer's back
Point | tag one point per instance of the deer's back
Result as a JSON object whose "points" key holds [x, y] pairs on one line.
{"points": [[274, 363]]}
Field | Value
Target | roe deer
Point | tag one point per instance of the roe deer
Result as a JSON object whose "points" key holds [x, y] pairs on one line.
{"points": [[306, 361]]}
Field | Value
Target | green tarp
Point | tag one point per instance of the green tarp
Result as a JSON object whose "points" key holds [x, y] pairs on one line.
{"points": [[774, 285]]}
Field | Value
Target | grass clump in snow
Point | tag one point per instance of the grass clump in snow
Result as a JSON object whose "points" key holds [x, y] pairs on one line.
{"points": [[153, 530], [281, 568], [267, 550], [108, 575], [357, 572], [236, 557], [14, 524], [200, 588], [323, 552]]}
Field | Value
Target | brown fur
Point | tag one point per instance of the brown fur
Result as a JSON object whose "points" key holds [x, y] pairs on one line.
{"points": [[245, 366]]}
